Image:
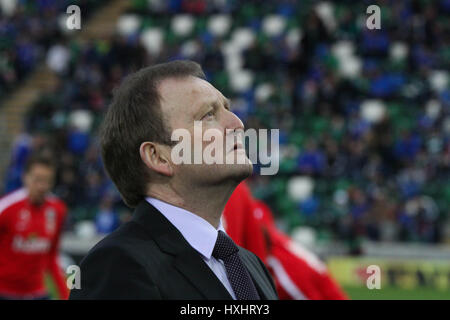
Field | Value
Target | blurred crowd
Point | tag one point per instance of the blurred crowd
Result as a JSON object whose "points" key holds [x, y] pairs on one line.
{"points": [[364, 115], [28, 29]]}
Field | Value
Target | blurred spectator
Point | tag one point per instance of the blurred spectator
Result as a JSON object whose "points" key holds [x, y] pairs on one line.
{"points": [[107, 219]]}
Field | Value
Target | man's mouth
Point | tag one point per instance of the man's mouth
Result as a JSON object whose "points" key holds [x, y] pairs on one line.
{"points": [[238, 146]]}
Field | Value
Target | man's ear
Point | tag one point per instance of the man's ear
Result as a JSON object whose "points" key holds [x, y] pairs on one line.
{"points": [[155, 158]]}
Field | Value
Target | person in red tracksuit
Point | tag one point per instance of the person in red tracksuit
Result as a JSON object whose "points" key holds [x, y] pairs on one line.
{"points": [[298, 273], [31, 220]]}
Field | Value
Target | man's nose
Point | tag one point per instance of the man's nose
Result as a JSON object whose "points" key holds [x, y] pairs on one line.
{"points": [[42, 186], [233, 122]]}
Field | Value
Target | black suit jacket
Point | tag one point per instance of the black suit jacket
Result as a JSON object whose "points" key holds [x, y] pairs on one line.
{"points": [[148, 258]]}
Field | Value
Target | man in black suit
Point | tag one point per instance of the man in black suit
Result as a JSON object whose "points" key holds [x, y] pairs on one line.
{"points": [[175, 246]]}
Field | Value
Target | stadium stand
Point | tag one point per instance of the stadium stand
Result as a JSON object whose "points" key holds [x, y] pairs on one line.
{"points": [[28, 29], [364, 116]]}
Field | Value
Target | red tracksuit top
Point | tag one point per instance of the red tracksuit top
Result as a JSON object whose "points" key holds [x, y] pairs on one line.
{"points": [[29, 241], [298, 273]]}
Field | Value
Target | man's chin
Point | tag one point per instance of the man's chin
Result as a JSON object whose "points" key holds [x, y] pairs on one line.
{"points": [[242, 171], [36, 200], [232, 172]]}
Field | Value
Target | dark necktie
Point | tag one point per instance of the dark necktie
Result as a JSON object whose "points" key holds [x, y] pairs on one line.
{"points": [[226, 250]]}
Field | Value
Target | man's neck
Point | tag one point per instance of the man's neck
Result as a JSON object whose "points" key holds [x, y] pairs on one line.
{"points": [[207, 202]]}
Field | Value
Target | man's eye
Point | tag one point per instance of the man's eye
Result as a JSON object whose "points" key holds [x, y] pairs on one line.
{"points": [[211, 113]]}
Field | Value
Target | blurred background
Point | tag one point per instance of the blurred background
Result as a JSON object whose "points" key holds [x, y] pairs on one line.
{"points": [[364, 117]]}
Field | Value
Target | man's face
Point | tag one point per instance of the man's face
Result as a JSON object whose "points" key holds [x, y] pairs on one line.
{"points": [[38, 181], [191, 99]]}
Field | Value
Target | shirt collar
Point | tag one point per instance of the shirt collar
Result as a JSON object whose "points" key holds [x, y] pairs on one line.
{"points": [[198, 232]]}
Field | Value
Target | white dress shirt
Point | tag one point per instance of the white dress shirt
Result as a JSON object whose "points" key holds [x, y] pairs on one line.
{"points": [[199, 233]]}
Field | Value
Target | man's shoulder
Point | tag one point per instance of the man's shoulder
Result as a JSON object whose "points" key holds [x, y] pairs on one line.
{"points": [[250, 256], [123, 259], [57, 203], [128, 242], [12, 200], [256, 265]]}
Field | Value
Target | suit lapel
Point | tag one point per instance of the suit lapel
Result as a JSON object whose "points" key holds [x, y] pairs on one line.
{"points": [[186, 259], [263, 287], [201, 276]]}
